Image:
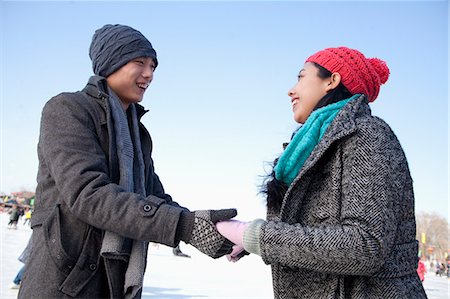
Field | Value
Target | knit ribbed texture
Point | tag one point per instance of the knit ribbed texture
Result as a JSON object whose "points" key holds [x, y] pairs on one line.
{"points": [[358, 73], [131, 169], [113, 46], [185, 226], [205, 236], [251, 236]]}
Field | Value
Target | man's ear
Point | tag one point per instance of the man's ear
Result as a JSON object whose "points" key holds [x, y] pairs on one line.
{"points": [[333, 81]]}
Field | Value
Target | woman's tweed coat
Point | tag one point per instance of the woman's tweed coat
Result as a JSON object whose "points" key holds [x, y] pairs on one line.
{"points": [[78, 197], [347, 227]]}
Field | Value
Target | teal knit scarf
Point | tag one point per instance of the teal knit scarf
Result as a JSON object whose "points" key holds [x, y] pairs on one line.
{"points": [[304, 141]]}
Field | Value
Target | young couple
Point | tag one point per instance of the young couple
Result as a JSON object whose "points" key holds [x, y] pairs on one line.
{"points": [[340, 205]]}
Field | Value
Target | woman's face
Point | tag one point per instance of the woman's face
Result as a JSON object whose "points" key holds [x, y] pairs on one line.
{"points": [[307, 92]]}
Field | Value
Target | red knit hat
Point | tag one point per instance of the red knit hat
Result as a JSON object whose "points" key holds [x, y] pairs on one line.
{"points": [[358, 73]]}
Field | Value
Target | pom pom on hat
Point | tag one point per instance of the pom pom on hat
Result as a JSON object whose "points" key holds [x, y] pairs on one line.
{"points": [[358, 73], [113, 46], [381, 68]]}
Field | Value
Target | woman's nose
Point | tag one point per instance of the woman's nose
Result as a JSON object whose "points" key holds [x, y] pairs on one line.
{"points": [[291, 92]]}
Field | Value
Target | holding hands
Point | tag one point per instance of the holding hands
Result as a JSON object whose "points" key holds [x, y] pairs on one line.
{"points": [[198, 229], [213, 233], [234, 230]]}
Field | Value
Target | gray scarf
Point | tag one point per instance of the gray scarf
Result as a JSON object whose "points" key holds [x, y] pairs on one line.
{"points": [[132, 179]]}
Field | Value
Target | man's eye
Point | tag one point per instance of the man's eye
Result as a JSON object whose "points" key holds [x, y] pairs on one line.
{"points": [[139, 61]]}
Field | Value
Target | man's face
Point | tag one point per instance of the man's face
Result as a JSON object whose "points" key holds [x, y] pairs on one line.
{"points": [[132, 80]]}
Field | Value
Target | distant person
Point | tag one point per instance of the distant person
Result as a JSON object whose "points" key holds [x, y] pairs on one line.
{"points": [[22, 258], [340, 204], [17, 279], [177, 252], [21, 213], [14, 217], [421, 270], [27, 217], [438, 268], [448, 269], [99, 201]]}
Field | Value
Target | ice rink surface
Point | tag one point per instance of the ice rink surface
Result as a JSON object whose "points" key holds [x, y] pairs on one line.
{"points": [[172, 277]]}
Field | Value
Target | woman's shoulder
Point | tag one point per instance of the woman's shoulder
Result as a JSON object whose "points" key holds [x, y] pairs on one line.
{"points": [[375, 133], [361, 113], [373, 123]]}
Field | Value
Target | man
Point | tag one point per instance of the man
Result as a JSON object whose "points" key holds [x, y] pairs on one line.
{"points": [[98, 200]]}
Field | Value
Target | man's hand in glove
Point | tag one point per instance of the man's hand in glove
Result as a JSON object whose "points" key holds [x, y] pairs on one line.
{"points": [[198, 229]]}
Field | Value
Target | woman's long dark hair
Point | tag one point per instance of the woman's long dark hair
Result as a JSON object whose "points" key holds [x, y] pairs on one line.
{"points": [[275, 189]]}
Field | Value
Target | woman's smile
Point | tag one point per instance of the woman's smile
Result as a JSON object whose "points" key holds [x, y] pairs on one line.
{"points": [[294, 102]]}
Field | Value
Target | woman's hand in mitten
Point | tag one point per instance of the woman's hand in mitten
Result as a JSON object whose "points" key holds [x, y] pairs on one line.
{"points": [[233, 230]]}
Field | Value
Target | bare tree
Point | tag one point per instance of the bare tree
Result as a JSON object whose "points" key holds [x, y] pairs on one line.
{"points": [[433, 235]]}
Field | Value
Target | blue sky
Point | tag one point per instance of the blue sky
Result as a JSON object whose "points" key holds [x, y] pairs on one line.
{"points": [[219, 109]]}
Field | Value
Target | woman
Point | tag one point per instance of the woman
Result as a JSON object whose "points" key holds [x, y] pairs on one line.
{"points": [[340, 204]]}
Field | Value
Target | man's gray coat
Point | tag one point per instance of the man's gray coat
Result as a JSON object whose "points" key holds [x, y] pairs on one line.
{"points": [[78, 198]]}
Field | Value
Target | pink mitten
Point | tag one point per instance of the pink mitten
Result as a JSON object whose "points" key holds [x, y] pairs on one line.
{"points": [[233, 230]]}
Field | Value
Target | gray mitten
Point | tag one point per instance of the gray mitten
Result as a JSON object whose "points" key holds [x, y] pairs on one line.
{"points": [[198, 229]]}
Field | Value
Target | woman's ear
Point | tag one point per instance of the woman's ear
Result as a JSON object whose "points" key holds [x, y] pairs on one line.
{"points": [[333, 81]]}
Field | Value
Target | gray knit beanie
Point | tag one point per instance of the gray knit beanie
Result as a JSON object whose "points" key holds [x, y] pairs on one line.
{"points": [[113, 46]]}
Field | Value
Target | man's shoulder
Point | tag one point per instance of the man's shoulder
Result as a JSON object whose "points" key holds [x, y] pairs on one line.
{"points": [[75, 100], [67, 96], [77, 105]]}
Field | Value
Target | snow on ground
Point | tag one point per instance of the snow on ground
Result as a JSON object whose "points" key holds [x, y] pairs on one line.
{"points": [[171, 277], [167, 276]]}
